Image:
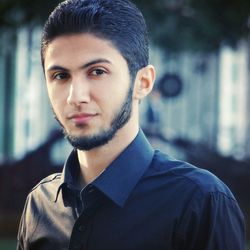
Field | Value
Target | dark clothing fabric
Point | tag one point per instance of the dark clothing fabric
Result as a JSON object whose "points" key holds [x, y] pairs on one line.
{"points": [[144, 200]]}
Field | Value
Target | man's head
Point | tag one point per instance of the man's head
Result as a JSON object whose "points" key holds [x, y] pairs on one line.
{"points": [[95, 60], [118, 21]]}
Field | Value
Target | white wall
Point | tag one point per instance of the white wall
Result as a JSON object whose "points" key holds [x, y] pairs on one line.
{"points": [[233, 110], [33, 118]]}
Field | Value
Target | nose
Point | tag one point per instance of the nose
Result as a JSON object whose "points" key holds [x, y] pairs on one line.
{"points": [[78, 92]]}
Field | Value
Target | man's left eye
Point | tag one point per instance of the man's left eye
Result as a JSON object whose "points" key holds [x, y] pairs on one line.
{"points": [[98, 72]]}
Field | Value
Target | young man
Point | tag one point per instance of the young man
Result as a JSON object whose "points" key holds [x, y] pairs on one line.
{"points": [[115, 191]]}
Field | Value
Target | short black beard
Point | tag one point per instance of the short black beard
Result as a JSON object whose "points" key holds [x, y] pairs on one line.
{"points": [[87, 143]]}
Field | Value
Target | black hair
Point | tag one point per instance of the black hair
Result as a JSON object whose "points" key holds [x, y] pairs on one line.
{"points": [[119, 21]]}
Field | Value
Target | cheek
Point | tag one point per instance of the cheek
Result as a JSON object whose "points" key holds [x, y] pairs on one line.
{"points": [[56, 100], [56, 94]]}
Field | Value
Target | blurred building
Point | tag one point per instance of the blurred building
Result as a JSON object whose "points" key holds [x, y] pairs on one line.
{"points": [[212, 107], [26, 119]]}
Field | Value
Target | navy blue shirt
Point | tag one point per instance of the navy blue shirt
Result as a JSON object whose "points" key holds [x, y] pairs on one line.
{"points": [[144, 200]]}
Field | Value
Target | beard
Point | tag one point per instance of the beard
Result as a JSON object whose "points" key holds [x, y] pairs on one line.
{"points": [[121, 117]]}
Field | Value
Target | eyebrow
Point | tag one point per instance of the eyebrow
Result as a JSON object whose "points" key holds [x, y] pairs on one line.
{"points": [[86, 65]]}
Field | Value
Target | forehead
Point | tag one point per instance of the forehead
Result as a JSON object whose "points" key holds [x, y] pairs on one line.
{"points": [[84, 46]]}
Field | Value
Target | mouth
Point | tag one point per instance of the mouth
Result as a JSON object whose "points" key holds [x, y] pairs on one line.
{"points": [[81, 118]]}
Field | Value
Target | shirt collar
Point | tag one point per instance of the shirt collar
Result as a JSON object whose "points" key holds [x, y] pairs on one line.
{"points": [[122, 175], [70, 171]]}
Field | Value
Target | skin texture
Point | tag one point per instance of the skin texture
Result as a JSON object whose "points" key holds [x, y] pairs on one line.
{"points": [[88, 82]]}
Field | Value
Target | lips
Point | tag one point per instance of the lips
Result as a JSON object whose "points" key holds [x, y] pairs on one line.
{"points": [[81, 118]]}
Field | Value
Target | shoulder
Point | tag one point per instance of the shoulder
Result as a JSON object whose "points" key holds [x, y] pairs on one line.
{"points": [[42, 195], [47, 188], [53, 179], [38, 199], [188, 176]]}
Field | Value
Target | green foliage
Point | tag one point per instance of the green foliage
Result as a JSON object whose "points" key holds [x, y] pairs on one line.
{"points": [[175, 25], [7, 244], [199, 25], [14, 13]]}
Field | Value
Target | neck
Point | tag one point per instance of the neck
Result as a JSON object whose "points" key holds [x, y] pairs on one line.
{"points": [[95, 161]]}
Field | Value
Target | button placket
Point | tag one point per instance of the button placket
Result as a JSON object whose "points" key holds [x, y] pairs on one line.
{"points": [[79, 233], [81, 229]]}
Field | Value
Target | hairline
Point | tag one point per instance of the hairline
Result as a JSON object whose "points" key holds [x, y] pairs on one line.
{"points": [[45, 45]]}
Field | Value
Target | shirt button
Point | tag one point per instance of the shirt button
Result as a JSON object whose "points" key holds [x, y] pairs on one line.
{"points": [[81, 228], [76, 247], [90, 191]]}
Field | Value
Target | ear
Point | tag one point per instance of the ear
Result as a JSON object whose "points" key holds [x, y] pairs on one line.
{"points": [[144, 82]]}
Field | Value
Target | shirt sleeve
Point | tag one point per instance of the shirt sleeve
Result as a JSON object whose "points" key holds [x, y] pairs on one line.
{"points": [[212, 221], [27, 224]]}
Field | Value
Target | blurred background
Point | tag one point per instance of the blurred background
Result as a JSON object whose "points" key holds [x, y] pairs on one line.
{"points": [[198, 111]]}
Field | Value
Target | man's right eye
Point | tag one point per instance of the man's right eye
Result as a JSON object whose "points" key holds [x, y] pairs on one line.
{"points": [[60, 76]]}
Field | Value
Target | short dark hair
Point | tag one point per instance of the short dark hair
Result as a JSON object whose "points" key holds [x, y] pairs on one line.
{"points": [[119, 21]]}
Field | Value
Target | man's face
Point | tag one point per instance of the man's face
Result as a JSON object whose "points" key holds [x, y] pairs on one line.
{"points": [[89, 87]]}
